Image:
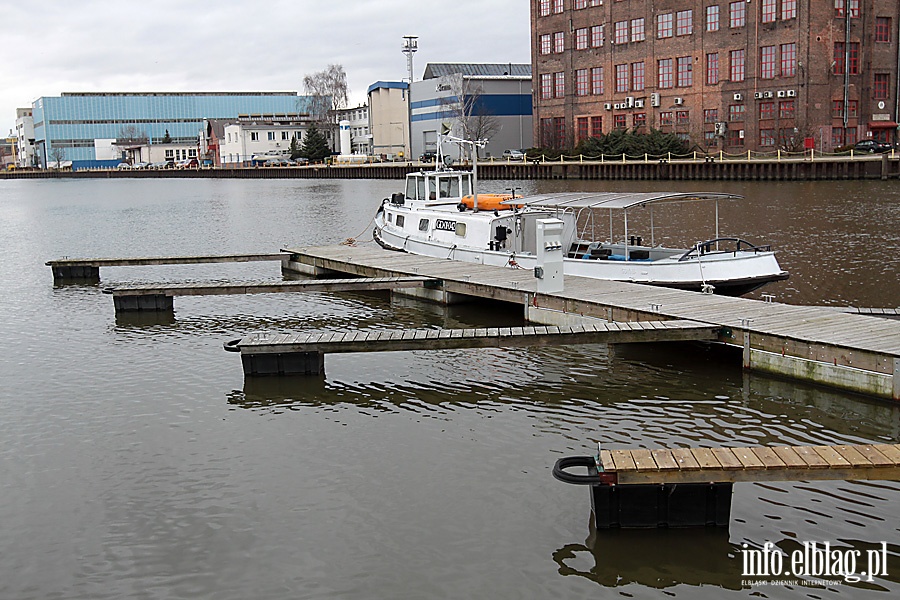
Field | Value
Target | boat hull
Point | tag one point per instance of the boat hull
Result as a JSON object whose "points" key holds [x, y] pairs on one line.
{"points": [[731, 274]]}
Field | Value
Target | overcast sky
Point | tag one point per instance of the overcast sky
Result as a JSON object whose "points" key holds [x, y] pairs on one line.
{"points": [[57, 46]]}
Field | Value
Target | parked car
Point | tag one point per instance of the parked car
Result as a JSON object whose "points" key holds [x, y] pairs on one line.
{"points": [[428, 156], [163, 164], [513, 155], [872, 146], [301, 160], [140, 165], [188, 163]]}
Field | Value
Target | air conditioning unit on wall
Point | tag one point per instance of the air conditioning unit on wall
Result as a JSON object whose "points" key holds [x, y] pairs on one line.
{"points": [[678, 101], [768, 95], [738, 97], [654, 99], [757, 95], [791, 93], [607, 106], [629, 101], [781, 93], [639, 103]]}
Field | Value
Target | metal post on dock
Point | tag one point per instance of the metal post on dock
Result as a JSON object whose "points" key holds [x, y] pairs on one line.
{"points": [[745, 329]]}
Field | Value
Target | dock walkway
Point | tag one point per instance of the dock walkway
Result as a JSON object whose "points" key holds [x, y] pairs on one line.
{"points": [[776, 463], [849, 351], [89, 268]]}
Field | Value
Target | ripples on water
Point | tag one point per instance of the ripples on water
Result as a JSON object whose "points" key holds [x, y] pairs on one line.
{"points": [[137, 461]]}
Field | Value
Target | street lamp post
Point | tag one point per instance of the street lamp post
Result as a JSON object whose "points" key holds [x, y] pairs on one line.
{"points": [[410, 45]]}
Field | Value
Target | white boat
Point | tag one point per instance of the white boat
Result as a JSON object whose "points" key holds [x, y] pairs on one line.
{"points": [[437, 216]]}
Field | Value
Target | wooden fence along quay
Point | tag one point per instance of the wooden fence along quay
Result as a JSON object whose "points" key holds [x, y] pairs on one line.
{"points": [[718, 167]]}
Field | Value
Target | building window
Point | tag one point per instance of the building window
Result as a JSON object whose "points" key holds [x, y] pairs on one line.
{"points": [[666, 118], [788, 9], [766, 137], [737, 14], [837, 109], [621, 32], [837, 137], [786, 109], [579, 4], [881, 85], [768, 11], [712, 68], [557, 6], [664, 26], [736, 112], [685, 71], [767, 62], [737, 65], [637, 76], [682, 117], [596, 36], [839, 58], [581, 82], [619, 122], [559, 126], [582, 38], [254, 136], [789, 60], [882, 29], [710, 138], [735, 137], [559, 42], [596, 126], [664, 73], [597, 81], [545, 43], [684, 22], [544, 8], [546, 86], [621, 78], [711, 115], [639, 120], [284, 135], [712, 18], [637, 30], [839, 8], [582, 128], [766, 110], [559, 85]]}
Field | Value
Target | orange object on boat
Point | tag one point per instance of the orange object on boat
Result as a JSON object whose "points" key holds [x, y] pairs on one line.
{"points": [[490, 202]]}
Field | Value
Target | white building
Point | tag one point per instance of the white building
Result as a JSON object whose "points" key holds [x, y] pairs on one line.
{"points": [[257, 135], [494, 100], [360, 134], [24, 138], [389, 119]]}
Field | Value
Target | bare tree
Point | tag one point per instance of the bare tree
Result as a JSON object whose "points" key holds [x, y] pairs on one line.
{"points": [[130, 135], [466, 105], [57, 155], [327, 92]]}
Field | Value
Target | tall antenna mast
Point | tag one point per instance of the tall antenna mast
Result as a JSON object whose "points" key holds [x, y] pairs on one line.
{"points": [[410, 45]]}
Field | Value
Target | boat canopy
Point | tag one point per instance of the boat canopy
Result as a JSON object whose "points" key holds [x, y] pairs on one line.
{"points": [[617, 200]]}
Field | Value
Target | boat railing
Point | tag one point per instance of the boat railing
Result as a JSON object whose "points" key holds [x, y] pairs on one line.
{"points": [[712, 247]]}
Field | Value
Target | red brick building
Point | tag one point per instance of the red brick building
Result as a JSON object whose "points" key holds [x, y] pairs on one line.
{"points": [[730, 75]]}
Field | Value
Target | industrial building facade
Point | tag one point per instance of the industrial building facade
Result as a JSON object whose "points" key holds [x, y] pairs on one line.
{"points": [[733, 76], [67, 126], [489, 101]]}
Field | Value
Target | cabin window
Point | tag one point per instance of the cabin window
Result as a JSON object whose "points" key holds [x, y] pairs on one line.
{"points": [[423, 224], [390, 218], [449, 188], [411, 184], [400, 220], [466, 187], [461, 229]]}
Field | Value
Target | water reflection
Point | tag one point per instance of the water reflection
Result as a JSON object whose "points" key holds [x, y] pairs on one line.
{"points": [[659, 558]]}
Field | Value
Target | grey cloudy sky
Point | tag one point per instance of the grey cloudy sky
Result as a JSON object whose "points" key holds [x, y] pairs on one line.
{"points": [[57, 46]]}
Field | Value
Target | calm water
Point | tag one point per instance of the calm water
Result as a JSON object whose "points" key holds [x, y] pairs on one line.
{"points": [[136, 462]]}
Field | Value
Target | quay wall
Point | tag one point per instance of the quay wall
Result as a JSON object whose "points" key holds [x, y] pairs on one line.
{"points": [[818, 169]]}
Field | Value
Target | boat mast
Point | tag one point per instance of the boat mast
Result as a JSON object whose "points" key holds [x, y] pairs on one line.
{"points": [[474, 145]]}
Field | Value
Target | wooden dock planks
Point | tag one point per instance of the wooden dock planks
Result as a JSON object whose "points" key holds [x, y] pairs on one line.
{"points": [[430, 339], [747, 464], [304, 285]]}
